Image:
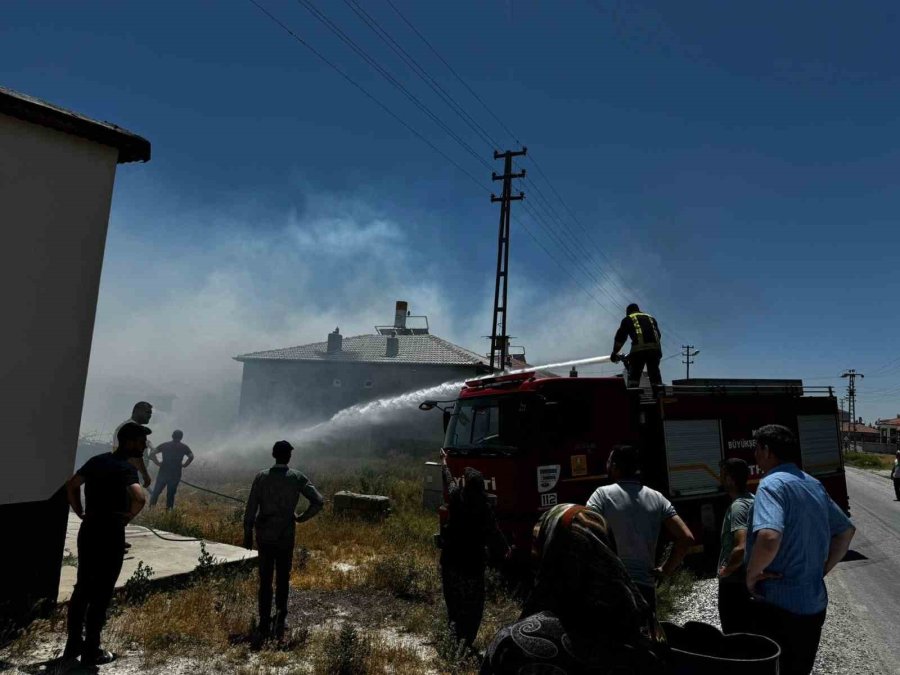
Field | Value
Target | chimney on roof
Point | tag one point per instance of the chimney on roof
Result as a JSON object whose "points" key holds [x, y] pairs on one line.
{"points": [[392, 348], [335, 341], [400, 313]]}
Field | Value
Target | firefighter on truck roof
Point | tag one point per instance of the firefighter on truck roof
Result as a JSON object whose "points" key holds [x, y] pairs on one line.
{"points": [[645, 346]]}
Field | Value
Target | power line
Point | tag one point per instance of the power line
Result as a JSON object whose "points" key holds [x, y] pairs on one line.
{"points": [[420, 71], [562, 266], [411, 61], [572, 256], [369, 95], [573, 238], [589, 234], [386, 74], [455, 74], [618, 275], [543, 203]]}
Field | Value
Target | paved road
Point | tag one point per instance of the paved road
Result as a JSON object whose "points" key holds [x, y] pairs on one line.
{"points": [[872, 584]]}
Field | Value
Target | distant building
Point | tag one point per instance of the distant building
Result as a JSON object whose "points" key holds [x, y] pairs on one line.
{"points": [[57, 170], [889, 430], [862, 432], [310, 383]]}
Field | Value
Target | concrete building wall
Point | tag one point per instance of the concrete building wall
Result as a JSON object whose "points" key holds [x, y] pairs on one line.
{"points": [[303, 391], [55, 192]]}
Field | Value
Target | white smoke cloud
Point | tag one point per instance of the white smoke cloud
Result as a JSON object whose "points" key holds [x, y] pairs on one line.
{"points": [[172, 317]]}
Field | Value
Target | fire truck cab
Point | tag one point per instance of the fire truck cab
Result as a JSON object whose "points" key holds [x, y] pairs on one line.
{"points": [[543, 440]]}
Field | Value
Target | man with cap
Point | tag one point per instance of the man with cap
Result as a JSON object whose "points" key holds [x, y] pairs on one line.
{"points": [[113, 497], [271, 511], [173, 454]]}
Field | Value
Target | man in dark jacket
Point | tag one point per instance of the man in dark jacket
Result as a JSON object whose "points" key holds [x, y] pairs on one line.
{"points": [[271, 511], [646, 349], [113, 497]]}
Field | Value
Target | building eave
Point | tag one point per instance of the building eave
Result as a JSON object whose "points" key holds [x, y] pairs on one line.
{"points": [[131, 147]]}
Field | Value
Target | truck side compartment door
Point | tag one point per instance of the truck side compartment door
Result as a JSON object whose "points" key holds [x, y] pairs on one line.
{"points": [[693, 451], [819, 445]]}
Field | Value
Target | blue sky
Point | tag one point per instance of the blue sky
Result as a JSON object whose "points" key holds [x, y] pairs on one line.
{"points": [[737, 164]]}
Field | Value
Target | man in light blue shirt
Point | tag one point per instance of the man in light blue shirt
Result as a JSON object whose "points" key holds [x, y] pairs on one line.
{"points": [[797, 535]]}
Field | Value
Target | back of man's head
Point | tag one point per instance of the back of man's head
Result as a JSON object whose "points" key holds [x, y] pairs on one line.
{"points": [[626, 460], [738, 470], [780, 441], [281, 451], [632, 308], [177, 435]]}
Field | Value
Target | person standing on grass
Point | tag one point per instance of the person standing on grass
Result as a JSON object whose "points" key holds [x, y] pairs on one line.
{"points": [[734, 600], [113, 497], [272, 512], [173, 454], [140, 414], [636, 514], [895, 475], [470, 532], [797, 536]]}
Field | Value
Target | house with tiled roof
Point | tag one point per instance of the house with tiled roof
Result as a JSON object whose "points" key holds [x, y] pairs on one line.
{"points": [[860, 432], [889, 430], [310, 383]]}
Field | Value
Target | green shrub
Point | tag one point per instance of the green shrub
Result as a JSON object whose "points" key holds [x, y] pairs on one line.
{"points": [[453, 654], [137, 588], [206, 561], [347, 654], [865, 460], [404, 576]]}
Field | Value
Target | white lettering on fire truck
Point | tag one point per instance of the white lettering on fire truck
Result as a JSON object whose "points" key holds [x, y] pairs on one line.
{"points": [[547, 477]]}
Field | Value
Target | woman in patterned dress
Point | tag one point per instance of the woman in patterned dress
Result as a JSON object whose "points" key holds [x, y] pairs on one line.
{"points": [[585, 614], [471, 530]]}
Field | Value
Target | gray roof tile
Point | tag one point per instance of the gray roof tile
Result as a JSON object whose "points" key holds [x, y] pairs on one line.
{"points": [[419, 349]]}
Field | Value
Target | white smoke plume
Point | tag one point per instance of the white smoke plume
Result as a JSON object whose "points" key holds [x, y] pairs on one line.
{"points": [[171, 318]]}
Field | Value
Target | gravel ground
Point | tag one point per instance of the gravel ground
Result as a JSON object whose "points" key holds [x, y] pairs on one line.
{"points": [[846, 646]]}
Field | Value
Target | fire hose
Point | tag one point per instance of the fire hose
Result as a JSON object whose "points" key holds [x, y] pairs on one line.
{"points": [[190, 539]]}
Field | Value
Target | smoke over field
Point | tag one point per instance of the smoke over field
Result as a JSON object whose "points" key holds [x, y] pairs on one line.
{"points": [[170, 324]]}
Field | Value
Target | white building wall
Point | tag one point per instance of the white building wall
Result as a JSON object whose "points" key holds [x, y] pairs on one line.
{"points": [[55, 192]]}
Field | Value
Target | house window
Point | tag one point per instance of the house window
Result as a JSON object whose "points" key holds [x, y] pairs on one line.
{"points": [[368, 384], [336, 382]]}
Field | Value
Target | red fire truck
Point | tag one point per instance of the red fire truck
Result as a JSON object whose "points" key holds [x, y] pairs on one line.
{"points": [[542, 440]]}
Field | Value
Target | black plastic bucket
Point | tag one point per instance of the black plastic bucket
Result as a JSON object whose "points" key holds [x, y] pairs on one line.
{"points": [[701, 649]]}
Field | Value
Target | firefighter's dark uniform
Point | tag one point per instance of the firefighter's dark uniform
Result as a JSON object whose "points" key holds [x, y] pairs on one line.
{"points": [[271, 512], [646, 350]]}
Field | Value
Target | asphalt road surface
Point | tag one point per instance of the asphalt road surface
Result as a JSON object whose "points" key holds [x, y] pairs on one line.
{"points": [[870, 578]]}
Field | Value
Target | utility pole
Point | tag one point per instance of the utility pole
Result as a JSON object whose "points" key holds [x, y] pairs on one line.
{"points": [[851, 401], [688, 354], [499, 338]]}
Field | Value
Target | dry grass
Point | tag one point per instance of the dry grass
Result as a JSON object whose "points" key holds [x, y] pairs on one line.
{"points": [[868, 460], [379, 578]]}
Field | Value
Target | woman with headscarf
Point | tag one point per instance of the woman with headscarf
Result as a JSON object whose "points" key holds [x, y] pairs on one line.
{"points": [[585, 615], [468, 535]]}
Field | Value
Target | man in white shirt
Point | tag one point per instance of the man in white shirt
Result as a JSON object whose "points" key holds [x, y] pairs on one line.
{"points": [[140, 415], [636, 514]]}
